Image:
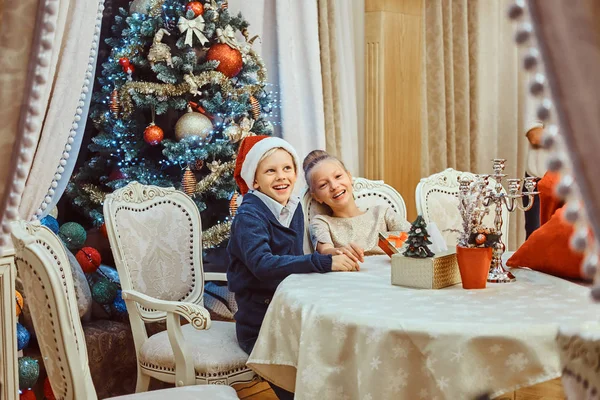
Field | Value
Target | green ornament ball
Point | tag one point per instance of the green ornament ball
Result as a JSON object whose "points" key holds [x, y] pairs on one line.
{"points": [[73, 235], [104, 291], [29, 372]]}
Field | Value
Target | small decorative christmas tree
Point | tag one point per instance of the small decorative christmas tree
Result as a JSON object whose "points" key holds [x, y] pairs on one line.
{"points": [[418, 239]]}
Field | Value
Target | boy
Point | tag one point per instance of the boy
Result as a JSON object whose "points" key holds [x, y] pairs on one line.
{"points": [[266, 236]]}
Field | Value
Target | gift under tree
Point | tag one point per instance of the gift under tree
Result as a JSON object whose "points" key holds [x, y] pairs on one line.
{"points": [[418, 239], [181, 87]]}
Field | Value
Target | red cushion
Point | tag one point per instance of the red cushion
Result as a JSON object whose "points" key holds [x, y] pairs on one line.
{"points": [[549, 203], [547, 250]]}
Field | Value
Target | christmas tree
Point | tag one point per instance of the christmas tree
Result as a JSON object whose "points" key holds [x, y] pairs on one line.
{"points": [[181, 87], [418, 239]]}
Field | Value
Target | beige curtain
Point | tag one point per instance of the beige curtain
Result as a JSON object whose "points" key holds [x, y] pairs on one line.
{"points": [[71, 54], [17, 30], [341, 41], [473, 92], [50, 72]]}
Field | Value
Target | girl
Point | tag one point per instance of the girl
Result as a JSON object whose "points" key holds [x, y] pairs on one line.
{"points": [[348, 230]]}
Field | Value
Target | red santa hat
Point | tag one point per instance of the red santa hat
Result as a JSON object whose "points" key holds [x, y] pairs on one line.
{"points": [[251, 150]]}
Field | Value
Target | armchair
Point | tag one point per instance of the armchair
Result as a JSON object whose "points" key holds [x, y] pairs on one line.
{"points": [[43, 267], [437, 201], [155, 237]]}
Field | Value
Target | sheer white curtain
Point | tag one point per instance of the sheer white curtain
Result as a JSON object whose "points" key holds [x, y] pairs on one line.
{"points": [[291, 48], [341, 28]]}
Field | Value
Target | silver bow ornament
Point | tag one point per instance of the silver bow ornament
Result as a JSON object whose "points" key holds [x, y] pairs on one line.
{"points": [[227, 36], [193, 27]]}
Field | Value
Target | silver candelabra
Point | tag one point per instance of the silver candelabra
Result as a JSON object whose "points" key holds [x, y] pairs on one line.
{"points": [[510, 200]]}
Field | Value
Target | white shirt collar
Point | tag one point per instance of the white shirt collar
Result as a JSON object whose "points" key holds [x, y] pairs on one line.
{"points": [[283, 214]]}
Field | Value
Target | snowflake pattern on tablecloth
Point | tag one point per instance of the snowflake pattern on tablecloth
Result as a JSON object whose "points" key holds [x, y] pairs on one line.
{"points": [[442, 383], [400, 351], [516, 362], [495, 349], [375, 362], [457, 356]]}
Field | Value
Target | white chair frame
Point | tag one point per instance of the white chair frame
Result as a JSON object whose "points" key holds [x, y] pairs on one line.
{"points": [[44, 268], [446, 182], [367, 193], [142, 308]]}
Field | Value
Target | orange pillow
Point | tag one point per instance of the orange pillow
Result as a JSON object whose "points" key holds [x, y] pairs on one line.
{"points": [[547, 250], [549, 203]]}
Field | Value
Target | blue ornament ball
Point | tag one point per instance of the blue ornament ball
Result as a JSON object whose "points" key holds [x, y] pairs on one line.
{"points": [[29, 372], [110, 273], [73, 235], [23, 337], [104, 291], [119, 304], [51, 223]]}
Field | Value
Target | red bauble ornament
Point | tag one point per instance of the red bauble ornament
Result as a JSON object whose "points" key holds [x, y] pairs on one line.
{"points": [[153, 135], [124, 61], [230, 60], [103, 230], [128, 69], [89, 259], [116, 175], [48, 393], [196, 7], [27, 394], [480, 238]]}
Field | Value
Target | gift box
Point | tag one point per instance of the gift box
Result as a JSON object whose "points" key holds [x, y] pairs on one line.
{"points": [[391, 242], [434, 272]]}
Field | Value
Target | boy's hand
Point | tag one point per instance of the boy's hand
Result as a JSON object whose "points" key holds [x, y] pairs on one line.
{"points": [[354, 251], [342, 262]]}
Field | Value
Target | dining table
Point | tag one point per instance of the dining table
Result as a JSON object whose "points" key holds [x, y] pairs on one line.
{"points": [[354, 335]]}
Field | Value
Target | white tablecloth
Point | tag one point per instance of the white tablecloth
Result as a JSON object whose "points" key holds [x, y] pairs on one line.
{"points": [[355, 336]]}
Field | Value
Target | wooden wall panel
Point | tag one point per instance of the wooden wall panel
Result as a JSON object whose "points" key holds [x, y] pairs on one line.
{"points": [[393, 30]]}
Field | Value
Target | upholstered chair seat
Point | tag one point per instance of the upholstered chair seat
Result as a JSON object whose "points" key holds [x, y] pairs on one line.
{"points": [[214, 352]]}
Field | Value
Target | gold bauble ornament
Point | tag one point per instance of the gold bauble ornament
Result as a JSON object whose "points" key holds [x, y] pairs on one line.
{"points": [[193, 124], [188, 182]]}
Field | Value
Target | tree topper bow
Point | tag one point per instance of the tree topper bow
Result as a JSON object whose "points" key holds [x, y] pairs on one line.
{"points": [[193, 27]]}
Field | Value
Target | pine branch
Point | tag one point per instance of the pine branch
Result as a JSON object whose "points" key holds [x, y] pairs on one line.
{"points": [[216, 235], [217, 171]]}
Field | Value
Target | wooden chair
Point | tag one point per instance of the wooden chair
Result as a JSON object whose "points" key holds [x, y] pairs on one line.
{"points": [[44, 269], [436, 198], [367, 193], [156, 239]]}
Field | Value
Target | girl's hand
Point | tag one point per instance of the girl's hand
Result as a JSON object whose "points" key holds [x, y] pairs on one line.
{"points": [[342, 262], [352, 250]]}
